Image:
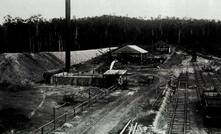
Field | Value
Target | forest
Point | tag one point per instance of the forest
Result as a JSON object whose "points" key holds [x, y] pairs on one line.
{"points": [[36, 34]]}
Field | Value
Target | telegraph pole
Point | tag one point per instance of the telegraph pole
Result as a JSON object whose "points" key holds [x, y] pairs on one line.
{"points": [[68, 35]]}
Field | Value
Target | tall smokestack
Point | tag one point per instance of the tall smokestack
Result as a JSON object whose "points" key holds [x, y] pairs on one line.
{"points": [[68, 35]]}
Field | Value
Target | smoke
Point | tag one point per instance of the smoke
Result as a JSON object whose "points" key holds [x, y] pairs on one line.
{"points": [[112, 64]]}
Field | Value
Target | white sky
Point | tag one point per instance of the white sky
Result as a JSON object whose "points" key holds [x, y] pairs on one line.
{"points": [[206, 9]]}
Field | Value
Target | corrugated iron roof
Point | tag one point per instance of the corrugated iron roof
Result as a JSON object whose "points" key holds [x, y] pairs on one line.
{"points": [[131, 49], [139, 49]]}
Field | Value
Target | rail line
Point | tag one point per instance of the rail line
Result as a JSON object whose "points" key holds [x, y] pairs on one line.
{"points": [[200, 80], [158, 101], [179, 122]]}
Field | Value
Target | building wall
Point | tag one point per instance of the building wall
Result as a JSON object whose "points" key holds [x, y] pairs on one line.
{"points": [[78, 81]]}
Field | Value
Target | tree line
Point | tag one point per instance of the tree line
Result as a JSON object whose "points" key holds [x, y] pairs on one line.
{"points": [[37, 34]]}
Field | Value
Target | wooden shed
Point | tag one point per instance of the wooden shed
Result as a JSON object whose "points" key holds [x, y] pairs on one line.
{"points": [[78, 80], [130, 53], [113, 77], [163, 47]]}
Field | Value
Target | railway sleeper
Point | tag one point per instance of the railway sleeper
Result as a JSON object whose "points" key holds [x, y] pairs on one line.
{"points": [[177, 132], [178, 112], [177, 117], [187, 124], [179, 120]]}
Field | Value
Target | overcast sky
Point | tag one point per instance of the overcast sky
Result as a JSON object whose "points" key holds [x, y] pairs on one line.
{"points": [[206, 9]]}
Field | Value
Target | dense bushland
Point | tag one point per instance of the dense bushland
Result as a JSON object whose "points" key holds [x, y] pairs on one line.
{"points": [[38, 34]]}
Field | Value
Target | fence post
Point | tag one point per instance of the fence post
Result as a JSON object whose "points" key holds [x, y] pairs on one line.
{"points": [[82, 107], [42, 130], [95, 99], [65, 117], [54, 114], [89, 97], [74, 112], [106, 92]]}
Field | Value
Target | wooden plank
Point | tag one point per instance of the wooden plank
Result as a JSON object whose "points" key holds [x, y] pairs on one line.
{"points": [[125, 127], [135, 127]]}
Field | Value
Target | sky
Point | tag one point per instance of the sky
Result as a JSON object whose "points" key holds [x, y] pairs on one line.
{"points": [[199, 9]]}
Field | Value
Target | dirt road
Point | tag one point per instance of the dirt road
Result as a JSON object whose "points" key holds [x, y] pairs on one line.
{"points": [[103, 120], [112, 113]]}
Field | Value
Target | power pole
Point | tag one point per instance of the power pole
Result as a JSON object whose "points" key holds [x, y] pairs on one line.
{"points": [[68, 35]]}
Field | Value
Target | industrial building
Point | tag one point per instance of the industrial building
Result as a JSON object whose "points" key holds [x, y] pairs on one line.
{"points": [[109, 78], [162, 47], [113, 77], [130, 54], [65, 78]]}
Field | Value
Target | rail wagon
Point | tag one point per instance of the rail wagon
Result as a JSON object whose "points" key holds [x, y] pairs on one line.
{"points": [[211, 100]]}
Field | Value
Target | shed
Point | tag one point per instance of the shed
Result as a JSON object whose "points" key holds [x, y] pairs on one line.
{"points": [[163, 47], [133, 49], [113, 77], [130, 53], [65, 78]]}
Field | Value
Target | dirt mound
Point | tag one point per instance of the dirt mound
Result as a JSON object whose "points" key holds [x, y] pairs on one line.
{"points": [[20, 68]]}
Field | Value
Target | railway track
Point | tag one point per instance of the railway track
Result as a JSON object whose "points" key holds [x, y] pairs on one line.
{"points": [[178, 121], [156, 104], [200, 80]]}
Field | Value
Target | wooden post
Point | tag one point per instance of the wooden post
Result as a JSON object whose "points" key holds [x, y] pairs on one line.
{"points": [[74, 112], [82, 108], [156, 92], [125, 127], [65, 117], [95, 99], [89, 97], [135, 127], [54, 116], [42, 130]]}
